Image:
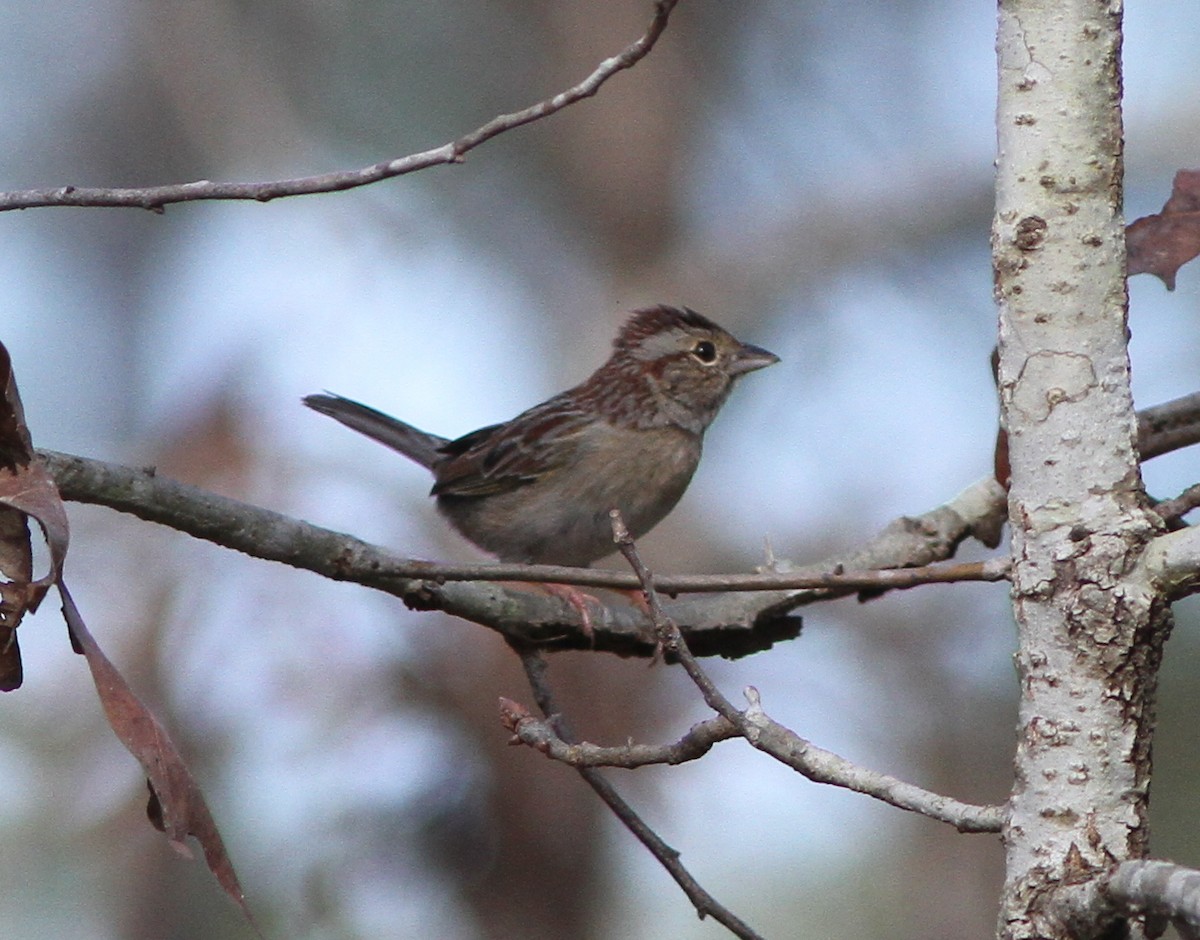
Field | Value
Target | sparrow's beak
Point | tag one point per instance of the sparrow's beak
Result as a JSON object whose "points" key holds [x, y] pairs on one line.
{"points": [[750, 358]]}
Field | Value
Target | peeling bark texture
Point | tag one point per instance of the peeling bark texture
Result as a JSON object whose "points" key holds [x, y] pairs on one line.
{"points": [[1091, 627]]}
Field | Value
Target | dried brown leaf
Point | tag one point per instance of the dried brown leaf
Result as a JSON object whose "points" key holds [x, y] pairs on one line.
{"points": [[15, 596], [26, 489], [1163, 243], [177, 807]]}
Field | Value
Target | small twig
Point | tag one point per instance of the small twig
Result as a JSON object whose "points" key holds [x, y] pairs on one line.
{"points": [[822, 766], [156, 197], [542, 736], [706, 905], [785, 745]]}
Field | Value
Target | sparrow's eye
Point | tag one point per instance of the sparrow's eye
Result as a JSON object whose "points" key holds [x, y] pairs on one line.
{"points": [[705, 352]]}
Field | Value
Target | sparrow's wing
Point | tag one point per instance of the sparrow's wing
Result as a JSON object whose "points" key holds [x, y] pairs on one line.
{"points": [[503, 457]]}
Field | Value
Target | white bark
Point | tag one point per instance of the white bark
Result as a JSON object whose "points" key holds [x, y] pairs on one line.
{"points": [[1091, 623]]}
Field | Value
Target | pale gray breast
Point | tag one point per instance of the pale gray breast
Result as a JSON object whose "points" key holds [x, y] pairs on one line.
{"points": [[562, 517]]}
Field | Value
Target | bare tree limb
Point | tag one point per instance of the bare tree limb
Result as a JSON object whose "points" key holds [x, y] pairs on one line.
{"points": [[706, 905], [786, 746], [822, 766], [156, 197], [1159, 888], [1161, 891], [276, 537], [728, 624]]}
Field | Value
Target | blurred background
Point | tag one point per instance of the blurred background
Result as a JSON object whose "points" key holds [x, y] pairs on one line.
{"points": [[813, 175]]}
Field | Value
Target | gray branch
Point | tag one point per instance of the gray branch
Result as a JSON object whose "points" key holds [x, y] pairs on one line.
{"points": [[1172, 562], [730, 624], [815, 763], [1159, 891], [727, 624], [821, 766]]}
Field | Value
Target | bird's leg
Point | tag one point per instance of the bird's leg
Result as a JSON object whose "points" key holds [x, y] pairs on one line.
{"points": [[579, 600]]}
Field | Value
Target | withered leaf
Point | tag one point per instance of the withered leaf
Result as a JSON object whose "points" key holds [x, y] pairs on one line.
{"points": [[26, 490], [176, 807], [1161, 244]]}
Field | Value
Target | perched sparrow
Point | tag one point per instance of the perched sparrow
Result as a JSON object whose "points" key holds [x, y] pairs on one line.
{"points": [[539, 488]]}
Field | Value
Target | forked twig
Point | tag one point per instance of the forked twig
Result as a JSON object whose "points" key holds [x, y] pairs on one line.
{"points": [[706, 905]]}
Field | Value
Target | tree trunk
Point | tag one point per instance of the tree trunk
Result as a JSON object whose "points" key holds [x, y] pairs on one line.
{"points": [[1091, 630]]}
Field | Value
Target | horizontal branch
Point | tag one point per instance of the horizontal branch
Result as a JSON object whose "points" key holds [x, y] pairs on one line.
{"points": [[156, 197], [1170, 426], [1158, 888], [275, 537], [1175, 508], [727, 624], [730, 623], [525, 617], [815, 763]]}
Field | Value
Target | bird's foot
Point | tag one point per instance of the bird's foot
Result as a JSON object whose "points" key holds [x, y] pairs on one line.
{"points": [[579, 601]]}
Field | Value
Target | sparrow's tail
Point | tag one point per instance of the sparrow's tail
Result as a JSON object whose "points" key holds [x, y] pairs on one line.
{"points": [[413, 443]]}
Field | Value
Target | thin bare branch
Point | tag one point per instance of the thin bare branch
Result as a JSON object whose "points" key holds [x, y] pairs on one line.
{"points": [[706, 905], [772, 738], [718, 624], [156, 197], [821, 766]]}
